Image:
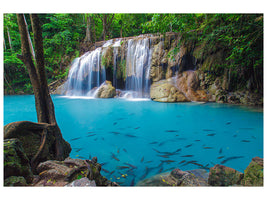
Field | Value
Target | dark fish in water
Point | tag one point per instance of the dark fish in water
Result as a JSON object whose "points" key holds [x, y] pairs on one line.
{"points": [[247, 128], [166, 170], [245, 140], [182, 162], [79, 149], [132, 182], [90, 132], [207, 147], [167, 161], [90, 135], [187, 156], [231, 158], [102, 164], [181, 139], [220, 151], [253, 137], [149, 161], [156, 150], [142, 159], [132, 166], [160, 144], [112, 172], [115, 132], [105, 170], [153, 142], [115, 123], [118, 151], [235, 135], [124, 150], [164, 156], [188, 145], [208, 130], [81, 157], [136, 128], [176, 135], [75, 138], [211, 134], [103, 138], [145, 174], [220, 157], [172, 131], [122, 167], [128, 135], [114, 157], [197, 140], [95, 139], [160, 170], [227, 123], [90, 157]]}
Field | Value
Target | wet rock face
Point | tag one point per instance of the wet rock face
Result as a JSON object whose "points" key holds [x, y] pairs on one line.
{"points": [[106, 91], [17, 170], [253, 175], [221, 175], [83, 182]]}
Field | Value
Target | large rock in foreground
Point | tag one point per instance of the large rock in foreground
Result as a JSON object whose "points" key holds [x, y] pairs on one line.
{"points": [[17, 170], [106, 90], [221, 175], [253, 175]]}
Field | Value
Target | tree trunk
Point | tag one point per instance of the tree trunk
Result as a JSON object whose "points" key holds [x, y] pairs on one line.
{"points": [[43, 102], [9, 39], [88, 37], [104, 23], [29, 38]]}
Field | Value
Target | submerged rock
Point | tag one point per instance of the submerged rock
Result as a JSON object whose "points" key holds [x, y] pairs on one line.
{"points": [[253, 175], [106, 90], [16, 164], [221, 175], [83, 182]]}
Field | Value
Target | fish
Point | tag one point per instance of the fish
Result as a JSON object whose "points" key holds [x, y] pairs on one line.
{"points": [[197, 140], [124, 150], [79, 149], [145, 174], [104, 163], [122, 167], [103, 138], [220, 157], [235, 135], [115, 132], [105, 170], [253, 137], [187, 156], [182, 161], [164, 156], [231, 158], [153, 142], [90, 157], [81, 157], [118, 151], [75, 138], [207, 147], [160, 144], [167, 161], [156, 150], [160, 170], [149, 161], [166, 170], [220, 151], [136, 128], [227, 123], [115, 123], [188, 145], [132, 166], [132, 182], [90, 132], [91, 135], [245, 140], [247, 128], [128, 135], [208, 130], [112, 172], [114, 157], [142, 159], [172, 131], [211, 134], [95, 139]]}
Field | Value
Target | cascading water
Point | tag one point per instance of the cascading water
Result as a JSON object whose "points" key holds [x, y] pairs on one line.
{"points": [[137, 68], [85, 74]]}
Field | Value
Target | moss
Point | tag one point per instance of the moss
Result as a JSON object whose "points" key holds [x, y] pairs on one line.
{"points": [[15, 181], [253, 175]]}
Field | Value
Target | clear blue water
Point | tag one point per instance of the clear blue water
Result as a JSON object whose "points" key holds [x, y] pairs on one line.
{"points": [[106, 127]]}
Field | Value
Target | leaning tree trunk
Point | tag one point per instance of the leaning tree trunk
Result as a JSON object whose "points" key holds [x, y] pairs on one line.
{"points": [[48, 133]]}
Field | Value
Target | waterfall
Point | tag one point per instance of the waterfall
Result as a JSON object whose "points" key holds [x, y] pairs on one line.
{"points": [[137, 67], [86, 73]]}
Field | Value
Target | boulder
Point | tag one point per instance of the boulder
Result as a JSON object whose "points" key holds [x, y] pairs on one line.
{"points": [[16, 164], [253, 174], [83, 182], [221, 175], [165, 91], [106, 90]]}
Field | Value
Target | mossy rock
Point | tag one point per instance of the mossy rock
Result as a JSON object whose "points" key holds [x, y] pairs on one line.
{"points": [[15, 181], [253, 174], [16, 163]]}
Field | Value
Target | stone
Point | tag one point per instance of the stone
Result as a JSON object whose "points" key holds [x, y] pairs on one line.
{"points": [[165, 91], [106, 90], [15, 181], [221, 175], [16, 163], [83, 182], [253, 174]]}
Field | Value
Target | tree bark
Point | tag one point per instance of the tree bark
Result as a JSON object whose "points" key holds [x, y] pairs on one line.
{"points": [[43, 102], [88, 37]]}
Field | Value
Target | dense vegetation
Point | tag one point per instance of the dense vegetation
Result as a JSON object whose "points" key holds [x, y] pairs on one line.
{"points": [[240, 36]]}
